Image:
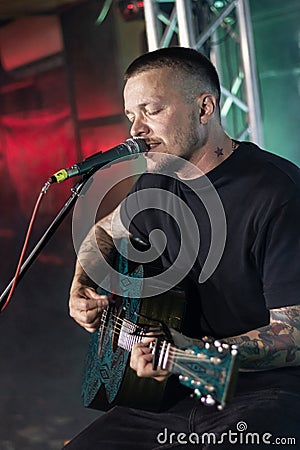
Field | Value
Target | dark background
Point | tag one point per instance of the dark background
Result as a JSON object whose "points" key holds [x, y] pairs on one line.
{"points": [[57, 108]]}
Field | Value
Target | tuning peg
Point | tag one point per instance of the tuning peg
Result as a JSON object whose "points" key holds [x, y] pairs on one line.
{"points": [[209, 387], [198, 394], [190, 351], [195, 383], [234, 350], [183, 378], [215, 360], [209, 401]]}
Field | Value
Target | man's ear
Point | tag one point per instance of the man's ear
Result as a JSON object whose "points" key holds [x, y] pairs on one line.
{"points": [[207, 106]]}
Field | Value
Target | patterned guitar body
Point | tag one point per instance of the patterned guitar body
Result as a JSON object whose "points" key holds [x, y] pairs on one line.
{"points": [[108, 379]]}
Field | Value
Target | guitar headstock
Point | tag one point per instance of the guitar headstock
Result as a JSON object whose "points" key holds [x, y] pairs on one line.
{"points": [[211, 371]]}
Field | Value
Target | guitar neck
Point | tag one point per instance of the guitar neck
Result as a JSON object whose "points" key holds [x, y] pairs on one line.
{"points": [[210, 369]]}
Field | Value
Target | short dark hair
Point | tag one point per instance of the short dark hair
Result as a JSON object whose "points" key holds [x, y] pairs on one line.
{"points": [[185, 60]]}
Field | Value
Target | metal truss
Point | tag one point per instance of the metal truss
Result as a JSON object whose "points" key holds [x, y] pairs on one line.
{"points": [[222, 30]]}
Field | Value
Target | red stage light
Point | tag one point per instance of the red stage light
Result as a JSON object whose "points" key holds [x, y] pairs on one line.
{"points": [[131, 10]]}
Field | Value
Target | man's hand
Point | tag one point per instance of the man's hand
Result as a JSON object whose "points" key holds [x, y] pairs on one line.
{"points": [[86, 306], [141, 361]]}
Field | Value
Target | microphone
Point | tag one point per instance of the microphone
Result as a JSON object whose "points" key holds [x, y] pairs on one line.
{"points": [[132, 146]]}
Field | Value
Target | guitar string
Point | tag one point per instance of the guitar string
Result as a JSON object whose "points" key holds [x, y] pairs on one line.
{"points": [[188, 356], [118, 328], [174, 350], [125, 319], [181, 367], [119, 323], [186, 372]]}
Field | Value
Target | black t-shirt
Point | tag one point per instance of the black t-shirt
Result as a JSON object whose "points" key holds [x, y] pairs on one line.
{"points": [[259, 215]]}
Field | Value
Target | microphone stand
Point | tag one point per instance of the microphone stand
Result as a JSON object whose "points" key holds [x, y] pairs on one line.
{"points": [[76, 190]]}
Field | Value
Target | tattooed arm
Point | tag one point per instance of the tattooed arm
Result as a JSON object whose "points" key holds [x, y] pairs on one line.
{"points": [[274, 345], [85, 304], [97, 248]]}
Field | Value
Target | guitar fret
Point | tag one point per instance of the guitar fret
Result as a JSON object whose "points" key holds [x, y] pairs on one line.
{"points": [[166, 357], [161, 355]]}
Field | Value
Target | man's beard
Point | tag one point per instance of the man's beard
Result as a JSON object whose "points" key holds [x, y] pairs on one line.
{"points": [[187, 143], [163, 162]]}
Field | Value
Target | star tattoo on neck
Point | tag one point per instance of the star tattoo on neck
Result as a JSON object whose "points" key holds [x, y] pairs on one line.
{"points": [[219, 152]]}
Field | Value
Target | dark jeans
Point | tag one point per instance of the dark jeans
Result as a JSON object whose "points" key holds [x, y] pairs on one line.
{"points": [[267, 416]]}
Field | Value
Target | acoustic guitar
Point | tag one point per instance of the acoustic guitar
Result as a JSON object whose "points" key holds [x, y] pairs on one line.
{"points": [[209, 369]]}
